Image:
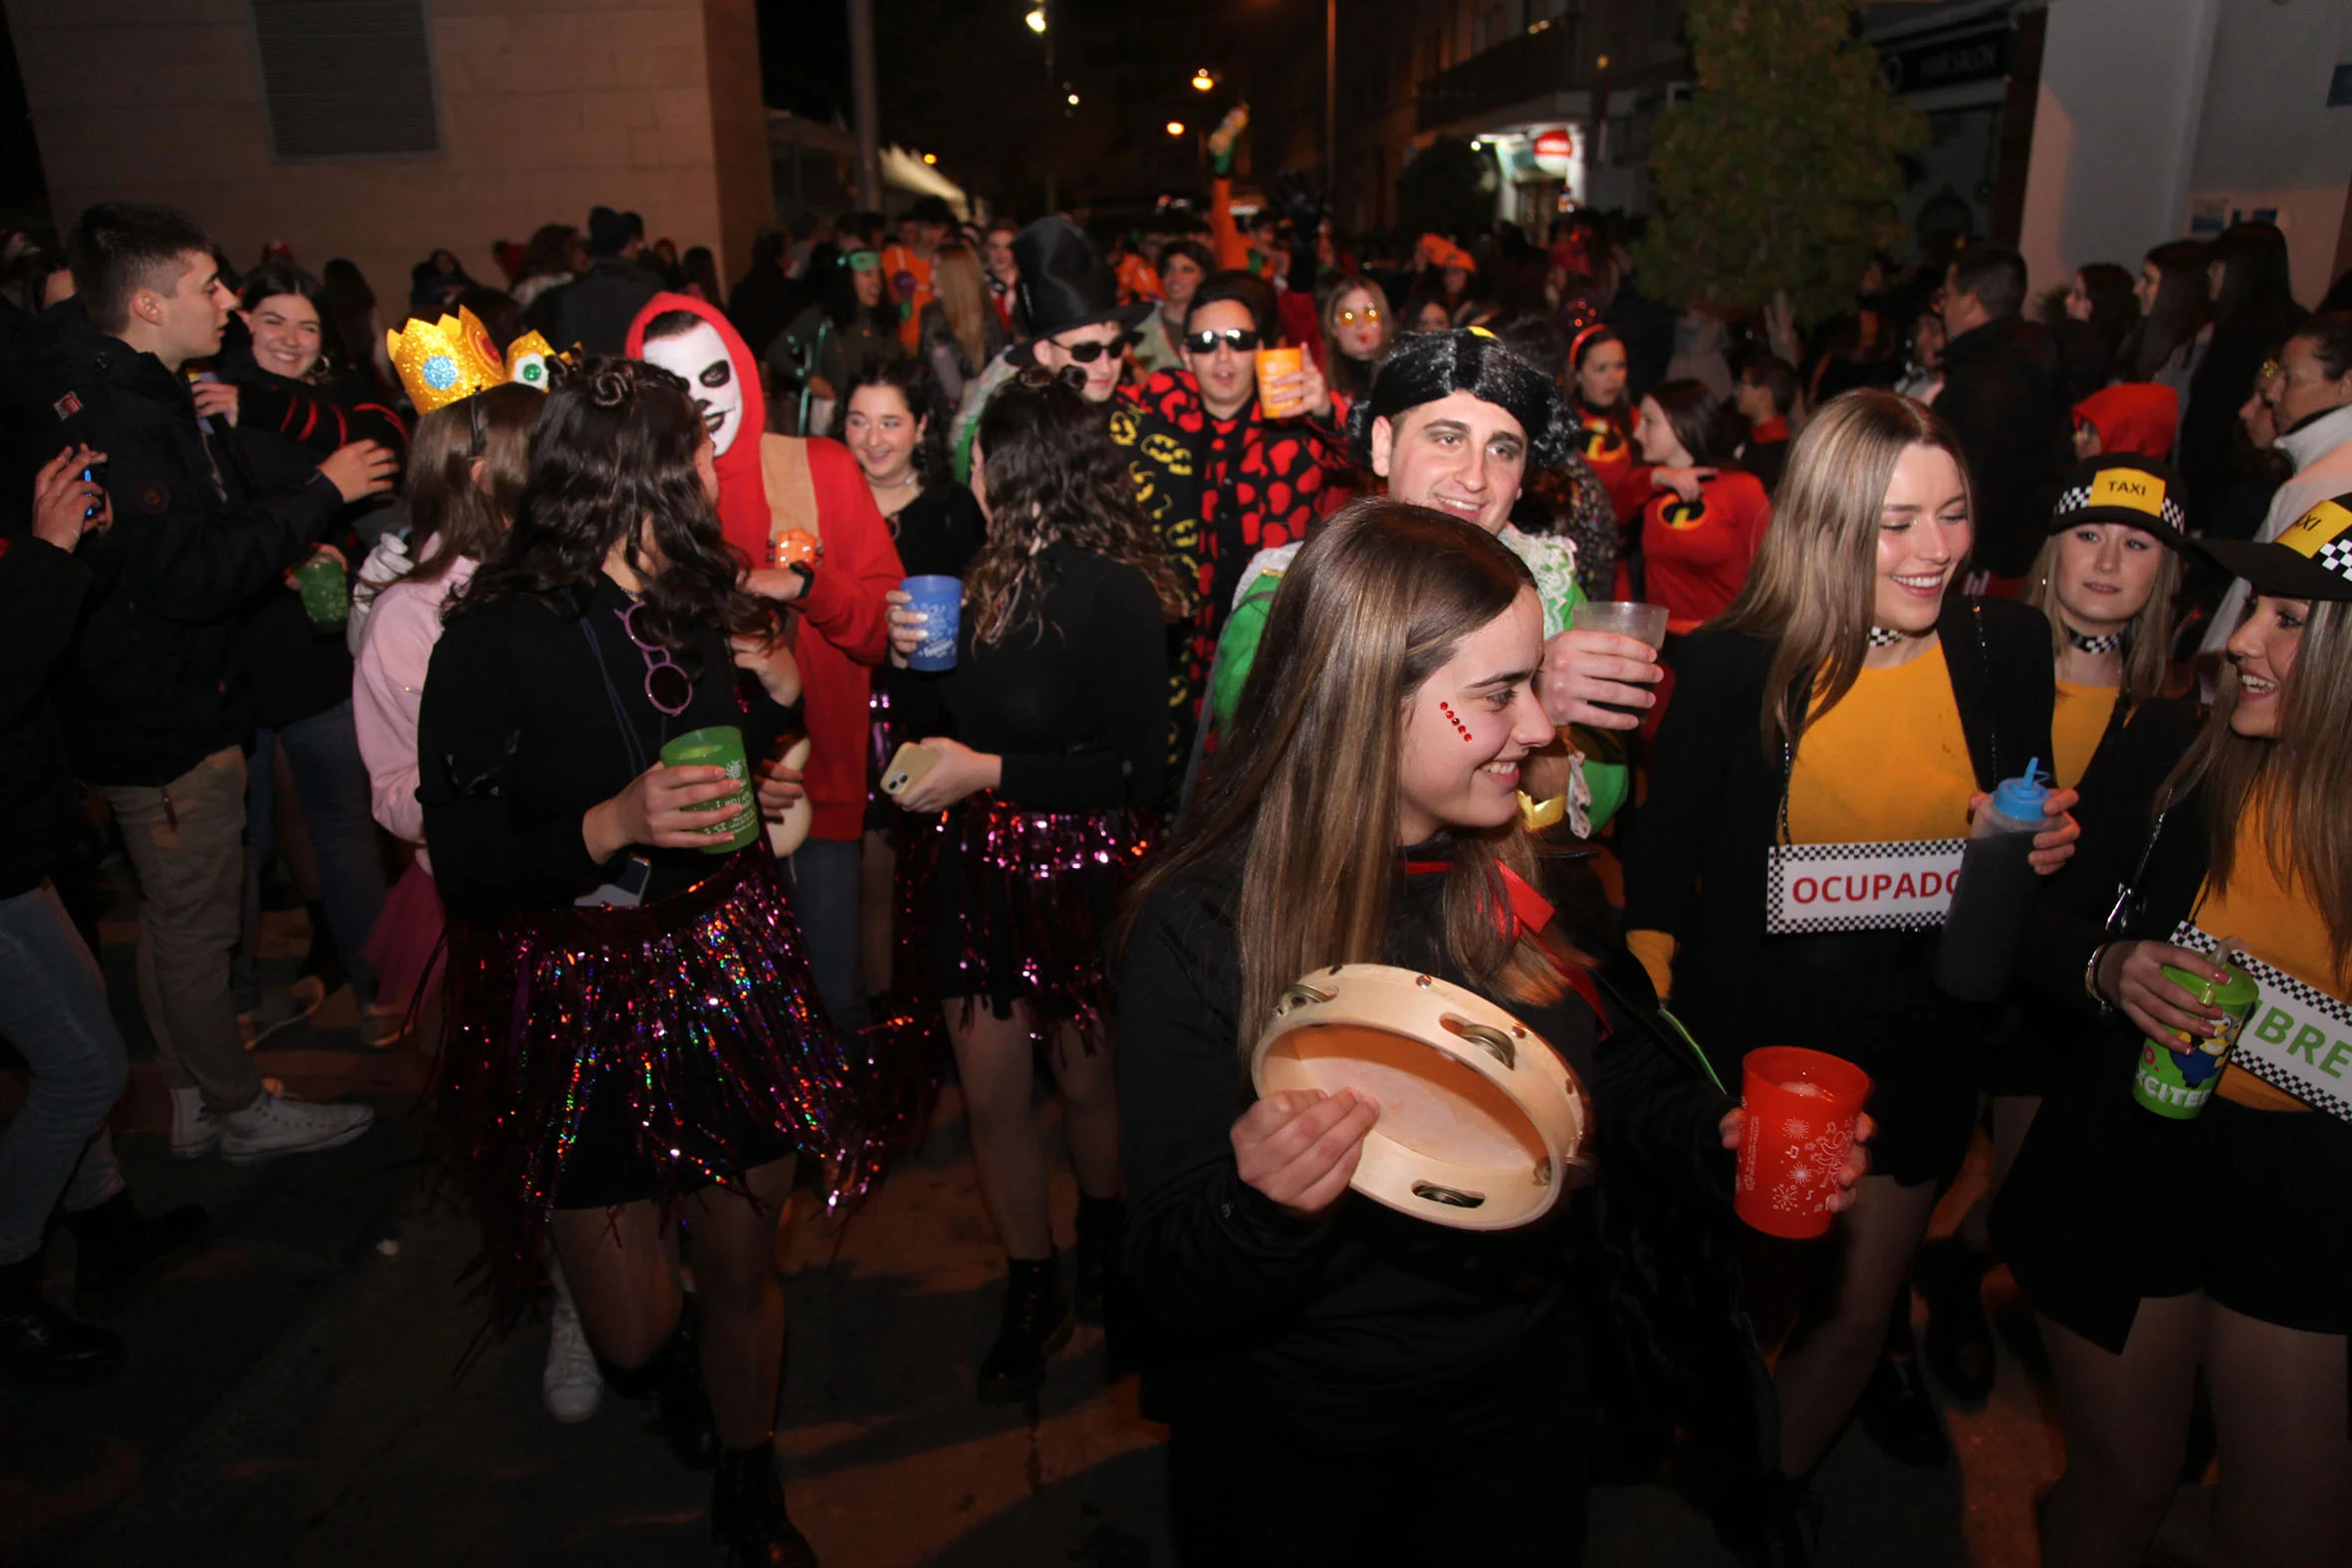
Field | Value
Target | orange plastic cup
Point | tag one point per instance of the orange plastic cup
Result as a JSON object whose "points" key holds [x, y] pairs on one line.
{"points": [[1802, 1105], [1273, 362]]}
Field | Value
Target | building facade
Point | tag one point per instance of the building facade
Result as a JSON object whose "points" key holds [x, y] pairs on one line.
{"points": [[384, 129]]}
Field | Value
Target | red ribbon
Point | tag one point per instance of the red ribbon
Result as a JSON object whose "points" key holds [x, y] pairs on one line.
{"points": [[1525, 913]]}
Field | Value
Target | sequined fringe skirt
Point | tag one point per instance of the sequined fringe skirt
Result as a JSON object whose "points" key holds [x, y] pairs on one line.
{"points": [[681, 1042], [999, 905]]}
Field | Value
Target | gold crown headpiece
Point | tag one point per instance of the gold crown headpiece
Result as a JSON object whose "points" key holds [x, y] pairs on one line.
{"points": [[448, 360]]}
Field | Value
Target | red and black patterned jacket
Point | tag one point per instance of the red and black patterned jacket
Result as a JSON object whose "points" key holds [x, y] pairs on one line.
{"points": [[1219, 491]]}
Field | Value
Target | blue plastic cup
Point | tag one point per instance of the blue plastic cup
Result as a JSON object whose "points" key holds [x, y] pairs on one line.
{"points": [[940, 601]]}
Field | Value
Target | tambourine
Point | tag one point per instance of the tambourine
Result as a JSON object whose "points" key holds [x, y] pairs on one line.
{"points": [[1483, 1125]]}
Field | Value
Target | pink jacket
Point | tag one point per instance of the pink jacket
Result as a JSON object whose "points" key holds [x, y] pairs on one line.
{"points": [[387, 688]]}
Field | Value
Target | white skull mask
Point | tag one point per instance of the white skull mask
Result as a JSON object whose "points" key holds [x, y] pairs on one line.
{"points": [[700, 355]]}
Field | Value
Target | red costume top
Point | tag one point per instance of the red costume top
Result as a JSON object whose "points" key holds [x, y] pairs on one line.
{"points": [[1607, 434], [769, 485], [1698, 552]]}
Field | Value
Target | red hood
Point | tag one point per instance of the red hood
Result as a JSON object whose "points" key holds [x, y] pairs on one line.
{"points": [[2141, 417], [743, 493]]}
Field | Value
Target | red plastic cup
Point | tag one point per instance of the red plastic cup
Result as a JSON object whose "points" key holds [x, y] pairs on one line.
{"points": [[1800, 1106]]}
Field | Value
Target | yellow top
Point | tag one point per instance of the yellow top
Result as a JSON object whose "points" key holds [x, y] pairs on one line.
{"points": [[1888, 762], [2077, 727], [2275, 922]]}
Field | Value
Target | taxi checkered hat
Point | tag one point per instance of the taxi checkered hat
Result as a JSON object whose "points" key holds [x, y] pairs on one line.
{"points": [[2123, 487], [2311, 559]]}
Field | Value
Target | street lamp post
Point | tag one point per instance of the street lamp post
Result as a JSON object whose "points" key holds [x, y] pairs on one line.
{"points": [[863, 95]]}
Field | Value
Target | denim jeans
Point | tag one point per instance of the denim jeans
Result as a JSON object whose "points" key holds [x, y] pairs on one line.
{"points": [[821, 885], [52, 1009], [184, 842], [323, 751]]}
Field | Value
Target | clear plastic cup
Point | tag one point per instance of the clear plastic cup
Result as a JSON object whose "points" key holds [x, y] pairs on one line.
{"points": [[1645, 622]]}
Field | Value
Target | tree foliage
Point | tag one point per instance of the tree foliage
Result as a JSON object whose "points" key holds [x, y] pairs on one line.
{"points": [[1780, 174], [1448, 188]]}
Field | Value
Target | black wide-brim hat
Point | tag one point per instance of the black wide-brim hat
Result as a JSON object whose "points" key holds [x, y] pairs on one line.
{"points": [[2123, 487], [1065, 282], [2311, 559]]}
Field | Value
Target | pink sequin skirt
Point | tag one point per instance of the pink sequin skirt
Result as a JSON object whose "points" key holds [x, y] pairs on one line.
{"points": [[603, 1055]]}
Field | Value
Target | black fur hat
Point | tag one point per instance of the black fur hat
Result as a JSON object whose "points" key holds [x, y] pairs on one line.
{"points": [[1425, 367]]}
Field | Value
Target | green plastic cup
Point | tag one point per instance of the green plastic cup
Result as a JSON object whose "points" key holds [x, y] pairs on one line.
{"points": [[737, 817], [326, 597], [2176, 1076]]}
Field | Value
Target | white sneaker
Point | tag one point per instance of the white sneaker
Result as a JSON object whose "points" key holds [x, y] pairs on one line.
{"points": [[572, 1385], [272, 1126], [195, 1131]]}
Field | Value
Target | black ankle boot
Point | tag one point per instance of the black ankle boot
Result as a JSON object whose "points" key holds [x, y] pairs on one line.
{"points": [[1958, 1340], [1035, 1325], [748, 1515], [117, 1249], [39, 1347], [1102, 1221], [1896, 1408], [680, 1401]]}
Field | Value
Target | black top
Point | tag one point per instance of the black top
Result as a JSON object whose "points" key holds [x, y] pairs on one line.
{"points": [[296, 670], [1366, 1327], [533, 713], [2002, 399], [41, 592], [1694, 861], [155, 684], [1076, 707], [939, 532]]}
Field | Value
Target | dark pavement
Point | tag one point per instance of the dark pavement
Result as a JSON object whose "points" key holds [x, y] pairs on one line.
{"points": [[311, 1387]]}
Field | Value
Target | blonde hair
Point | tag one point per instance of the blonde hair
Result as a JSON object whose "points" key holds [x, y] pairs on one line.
{"points": [[1305, 785], [1812, 590], [2148, 636], [960, 287], [2303, 778]]}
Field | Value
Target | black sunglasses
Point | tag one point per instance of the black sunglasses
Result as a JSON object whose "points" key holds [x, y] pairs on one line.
{"points": [[1088, 353], [1243, 339]]}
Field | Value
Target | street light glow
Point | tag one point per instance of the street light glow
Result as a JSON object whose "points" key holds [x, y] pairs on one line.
{"points": [[1175, 128], [1074, 101], [1202, 82], [930, 158], [1035, 19]]}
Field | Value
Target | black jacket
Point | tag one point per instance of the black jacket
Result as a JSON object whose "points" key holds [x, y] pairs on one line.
{"points": [[1694, 860], [155, 684], [534, 711], [595, 309], [2001, 397], [296, 670], [41, 592], [1368, 1328]]}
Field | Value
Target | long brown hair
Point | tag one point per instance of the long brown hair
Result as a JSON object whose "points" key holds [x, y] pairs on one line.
{"points": [[2304, 776], [446, 503], [1305, 785], [1053, 478], [2149, 635], [1814, 582]]}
